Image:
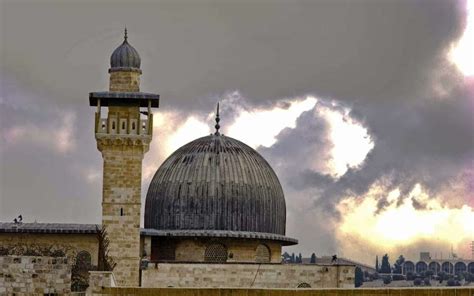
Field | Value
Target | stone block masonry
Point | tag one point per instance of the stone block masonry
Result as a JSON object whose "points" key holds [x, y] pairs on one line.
{"points": [[233, 275], [31, 275], [121, 209]]}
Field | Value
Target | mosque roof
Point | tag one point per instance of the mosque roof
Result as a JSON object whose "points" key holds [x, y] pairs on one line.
{"points": [[69, 228]]}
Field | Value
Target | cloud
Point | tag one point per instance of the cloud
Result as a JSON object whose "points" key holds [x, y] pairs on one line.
{"points": [[461, 52], [401, 226], [57, 134]]}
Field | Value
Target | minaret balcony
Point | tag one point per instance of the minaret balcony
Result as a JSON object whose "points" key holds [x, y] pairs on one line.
{"points": [[124, 126]]}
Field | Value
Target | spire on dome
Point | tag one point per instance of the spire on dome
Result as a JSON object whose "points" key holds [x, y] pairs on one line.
{"points": [[125, 37], [217, 126]]}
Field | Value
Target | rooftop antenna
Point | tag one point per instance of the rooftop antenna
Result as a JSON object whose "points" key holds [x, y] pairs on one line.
{"points": [[217, 126]]}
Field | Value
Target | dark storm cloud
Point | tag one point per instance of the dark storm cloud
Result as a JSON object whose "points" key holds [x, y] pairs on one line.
{"points": [[383, 59]]}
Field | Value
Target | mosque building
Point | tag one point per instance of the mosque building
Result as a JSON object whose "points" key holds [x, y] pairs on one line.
{"points": [[215, 213]]}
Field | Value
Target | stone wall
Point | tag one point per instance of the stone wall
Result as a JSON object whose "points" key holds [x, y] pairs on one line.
{"points": [[121, 210], [125, 81], [243, 250], [203, 275], [290, 292], [34, 275], [71, 244]]}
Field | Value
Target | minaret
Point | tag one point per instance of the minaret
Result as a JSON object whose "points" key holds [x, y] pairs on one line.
{"points": [[123, 137]]}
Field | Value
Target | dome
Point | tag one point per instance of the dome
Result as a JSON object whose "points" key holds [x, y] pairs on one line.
{"points": [[125, 56], [216, 183]]}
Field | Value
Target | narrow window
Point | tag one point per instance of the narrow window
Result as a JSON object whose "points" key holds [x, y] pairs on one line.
{"points": [[123, 125], [113, 125], [133, 125], [121, 211]]}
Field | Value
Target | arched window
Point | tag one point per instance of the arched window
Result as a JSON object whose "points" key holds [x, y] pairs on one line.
{"points": [[262, 254], [447, 267], [421, 267], [460, 267], [216, 253], [303, 285], [435, 267]]}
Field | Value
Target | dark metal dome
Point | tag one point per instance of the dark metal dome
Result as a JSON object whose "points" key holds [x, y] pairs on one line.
{"points": [[216, 183], [125, 56]]}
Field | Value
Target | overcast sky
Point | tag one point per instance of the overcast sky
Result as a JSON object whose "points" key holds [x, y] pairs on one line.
{"points": [[363, 108]]}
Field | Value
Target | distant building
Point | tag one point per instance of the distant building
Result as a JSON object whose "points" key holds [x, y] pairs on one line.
{"points": [[450, 266]]}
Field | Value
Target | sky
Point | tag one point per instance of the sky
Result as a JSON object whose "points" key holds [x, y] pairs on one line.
{"points": [[363, 108]]}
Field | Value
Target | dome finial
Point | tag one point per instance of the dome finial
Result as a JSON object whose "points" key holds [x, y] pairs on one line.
{"points": [[125, 37], [217, 126]]}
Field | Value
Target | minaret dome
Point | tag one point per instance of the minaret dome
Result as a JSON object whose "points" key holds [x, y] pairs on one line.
{"points": [[125, 57]]}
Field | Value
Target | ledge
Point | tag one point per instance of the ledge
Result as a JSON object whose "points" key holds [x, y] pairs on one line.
{"points": [[287, 241], [117, 98]]}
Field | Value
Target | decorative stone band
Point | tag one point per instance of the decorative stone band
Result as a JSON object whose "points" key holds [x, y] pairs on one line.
{"points": [[125, 69], [286, 241], [141, 142]]}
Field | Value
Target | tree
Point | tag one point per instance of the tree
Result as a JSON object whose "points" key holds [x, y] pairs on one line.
{"points": [[292, 260], [387, 280], [313, 258], [359, 277], [398, 277], [377, 263], [105, 262], [299, 258], [427, 282], [385, 267], [428, 273], [417, 282], [397, 267]]}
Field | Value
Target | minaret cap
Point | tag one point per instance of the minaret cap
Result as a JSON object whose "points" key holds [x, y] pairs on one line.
{"points": [[125, 57]]}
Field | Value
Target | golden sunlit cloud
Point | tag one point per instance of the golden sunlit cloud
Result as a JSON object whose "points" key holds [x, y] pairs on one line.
{"points": [[461, 53], [351, 141], [402, 225], [190, 130], [259, 127]]}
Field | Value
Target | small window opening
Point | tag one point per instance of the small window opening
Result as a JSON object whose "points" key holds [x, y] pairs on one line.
{"points": [[123, 125], [133, 125], [113, 125], [121, 211]]}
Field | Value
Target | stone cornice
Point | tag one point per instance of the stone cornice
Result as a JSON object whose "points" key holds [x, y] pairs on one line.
{"points": [[139, 143]]}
